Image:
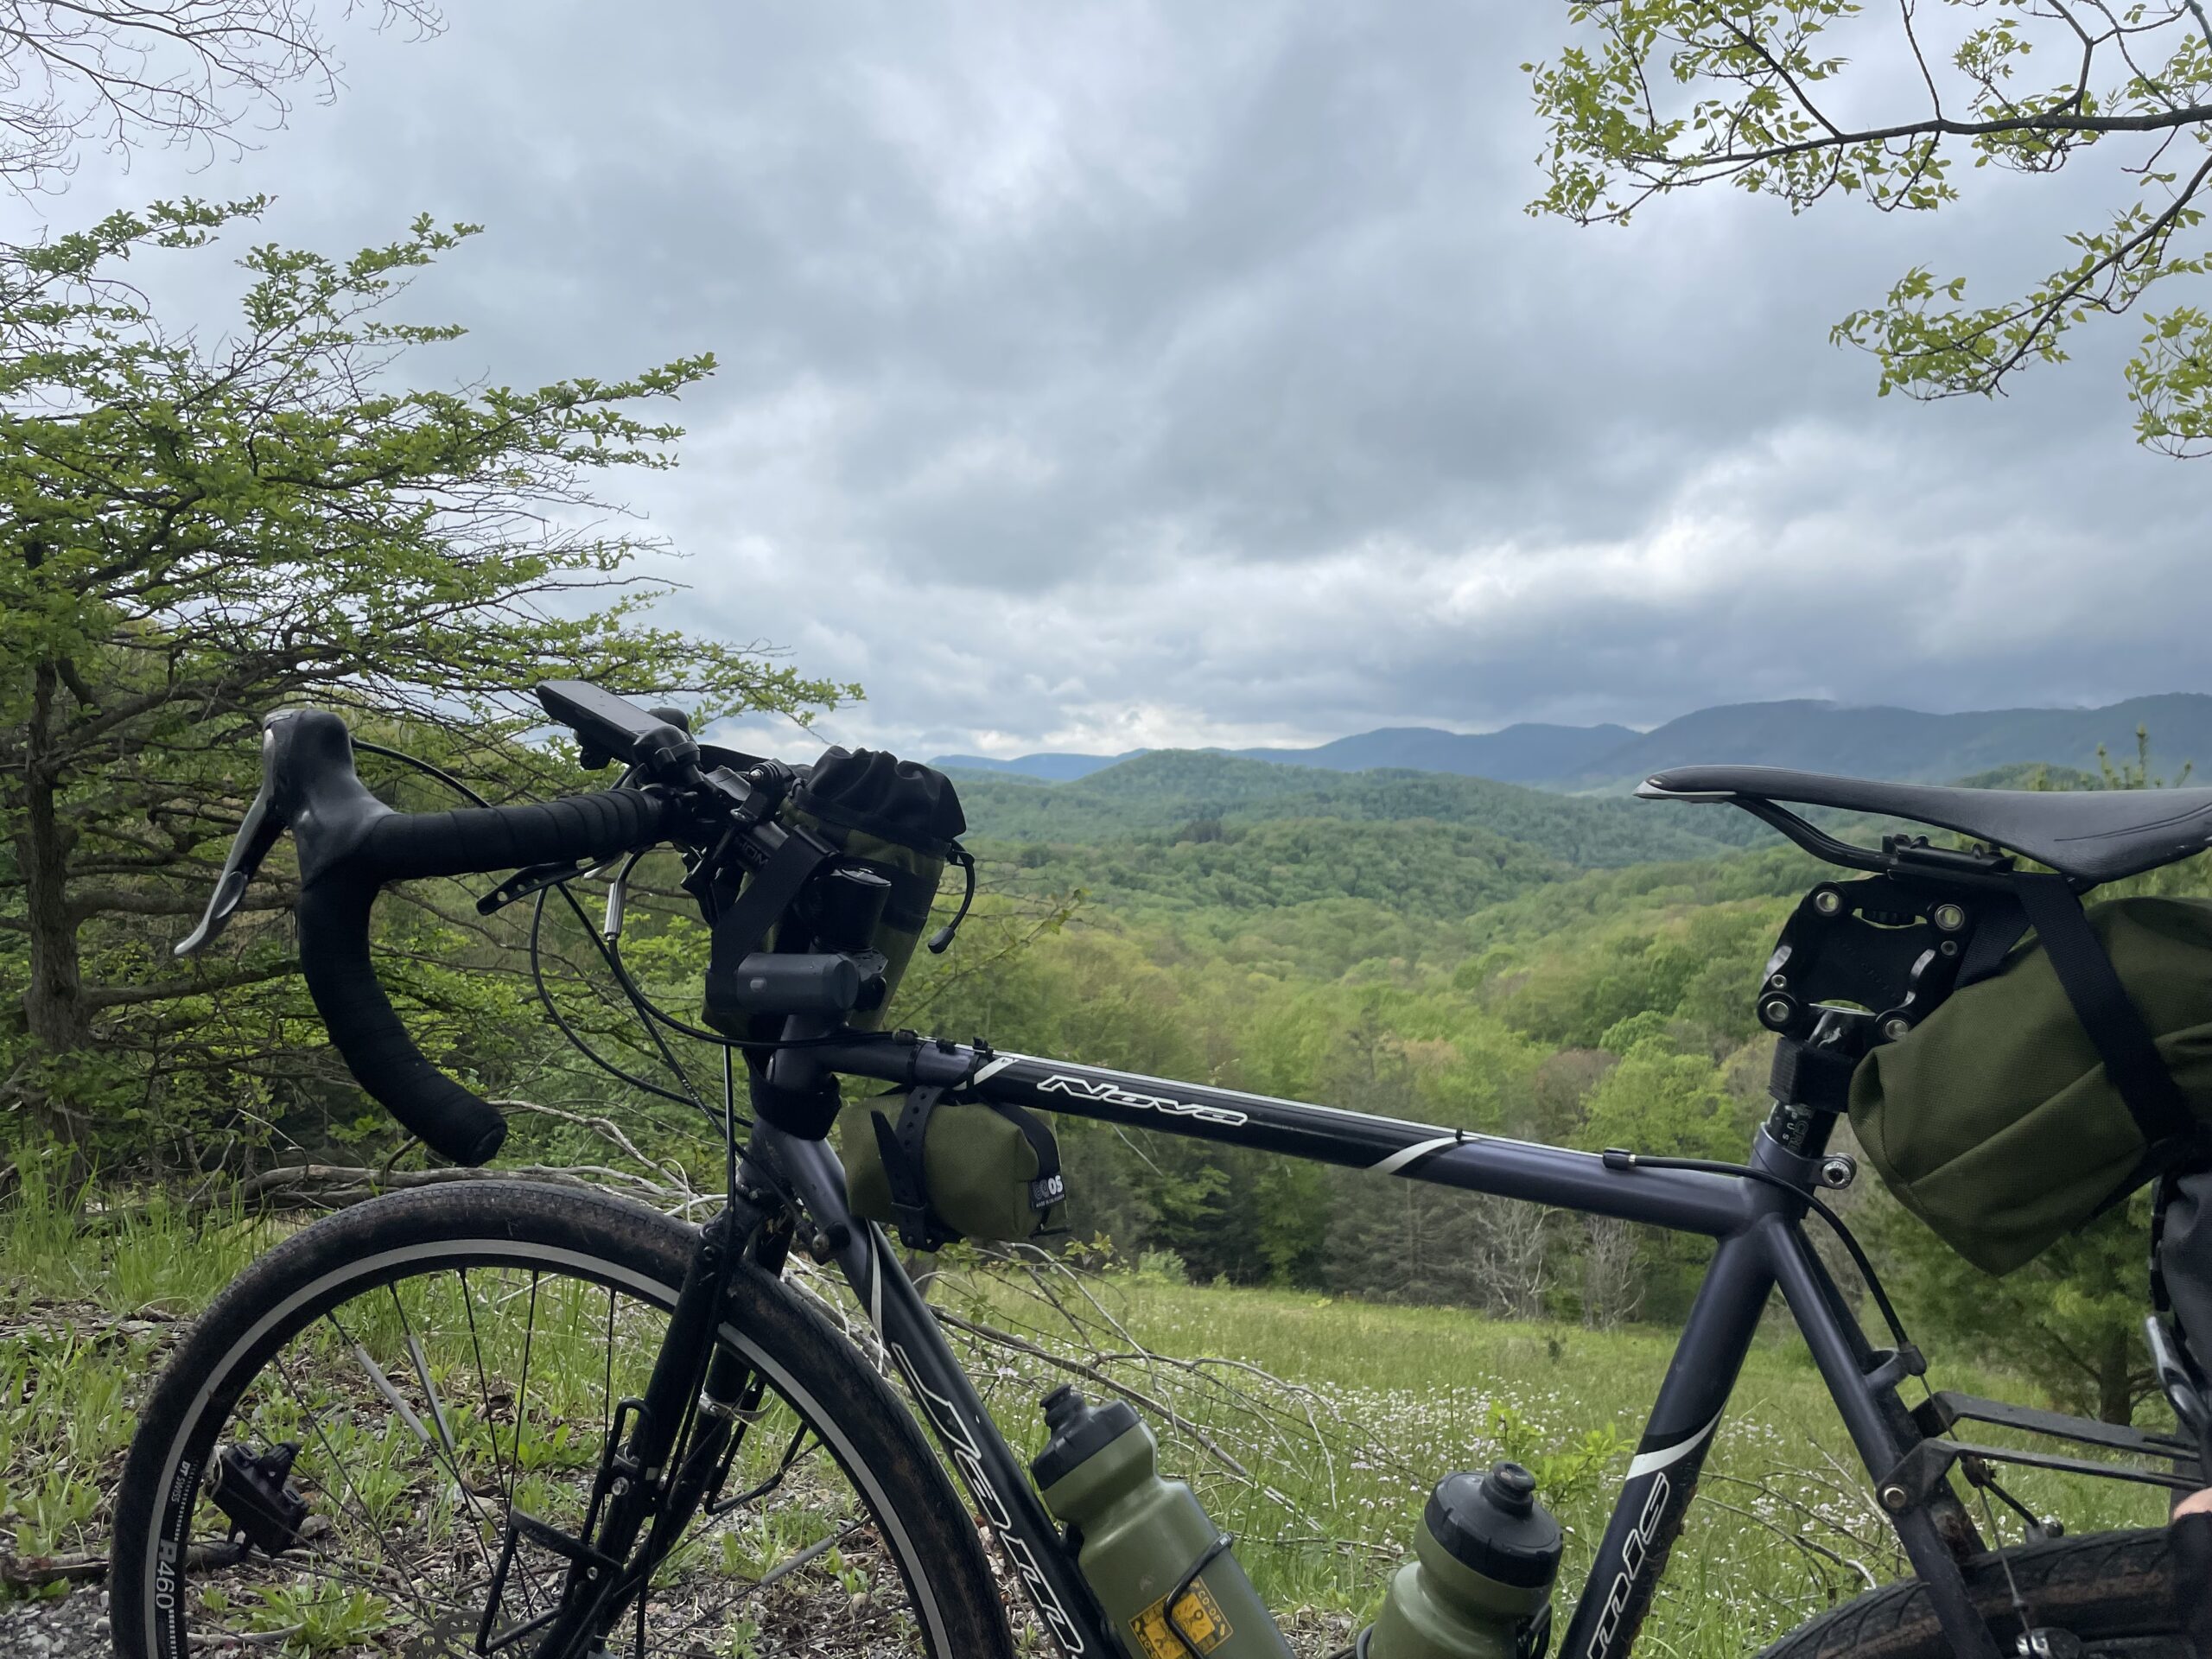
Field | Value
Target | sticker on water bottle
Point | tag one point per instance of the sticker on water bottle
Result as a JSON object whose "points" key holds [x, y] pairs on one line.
{"points": [[1199, 1616]]}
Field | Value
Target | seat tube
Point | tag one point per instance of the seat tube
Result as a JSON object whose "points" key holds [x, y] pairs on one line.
{"points": [[1662, 1479]]}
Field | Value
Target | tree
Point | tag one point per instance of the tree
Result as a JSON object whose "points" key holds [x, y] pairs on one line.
{"points": [[192, 533], [2072, 1319], [128, 73], [1658, 96]]}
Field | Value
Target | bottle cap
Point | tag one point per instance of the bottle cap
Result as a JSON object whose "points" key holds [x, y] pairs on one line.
{"points": [[1493, 1524], [1078, 1429]]}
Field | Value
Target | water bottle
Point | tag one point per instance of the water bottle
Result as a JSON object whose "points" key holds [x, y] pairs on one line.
{"points": [[1479, 1585], [1166, 1578]]}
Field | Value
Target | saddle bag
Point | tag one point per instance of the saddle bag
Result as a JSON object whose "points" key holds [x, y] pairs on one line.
{"points": [[940, 1169], [2003, 1123]]}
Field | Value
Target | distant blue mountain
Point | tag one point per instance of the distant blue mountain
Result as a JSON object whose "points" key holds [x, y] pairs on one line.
{"points": [[1528, 753], [1046, 768], [1907, 745], [1867, 743]]}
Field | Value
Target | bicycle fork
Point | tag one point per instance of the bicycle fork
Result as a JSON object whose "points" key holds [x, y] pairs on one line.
{"points": [[696, 1404]]}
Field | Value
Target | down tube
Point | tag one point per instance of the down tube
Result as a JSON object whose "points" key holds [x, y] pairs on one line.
{"points": [[994, 1479], [1662, 1479]]}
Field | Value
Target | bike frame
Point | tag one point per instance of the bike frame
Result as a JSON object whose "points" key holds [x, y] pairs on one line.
{"points": [[1760, 1246]]}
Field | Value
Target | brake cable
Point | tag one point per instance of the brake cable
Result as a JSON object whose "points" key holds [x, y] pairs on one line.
{"points": [[643, 1008], [690, 1097], [1716, 1166]]}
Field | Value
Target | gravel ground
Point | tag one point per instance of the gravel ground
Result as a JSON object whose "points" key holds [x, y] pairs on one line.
{"points": [[74, 1626]]}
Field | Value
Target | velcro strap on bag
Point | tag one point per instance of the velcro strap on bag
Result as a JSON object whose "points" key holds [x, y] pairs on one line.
{"points": [[2171, 1130], [743, 928], [1049, 1186], [901, 1148]]}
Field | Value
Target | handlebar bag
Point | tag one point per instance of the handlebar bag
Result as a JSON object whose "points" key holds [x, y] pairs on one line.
{"points": [[898, 818], [1995, 1120], [986, 1169]]}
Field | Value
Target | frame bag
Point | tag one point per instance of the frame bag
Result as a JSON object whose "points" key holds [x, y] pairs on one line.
{"points": [[946, 1170], [2037, 1098]]}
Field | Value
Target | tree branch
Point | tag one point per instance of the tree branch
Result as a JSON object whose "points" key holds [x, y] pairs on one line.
{"points": [[121, 996]]}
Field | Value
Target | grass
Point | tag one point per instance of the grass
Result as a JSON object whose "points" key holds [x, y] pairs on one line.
{"points": [[1339, 1414], [1784, 1525], [88, 1303]]}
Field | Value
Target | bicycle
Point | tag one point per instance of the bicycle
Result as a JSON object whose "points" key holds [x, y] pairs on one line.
{"points": [[348, 1449]]}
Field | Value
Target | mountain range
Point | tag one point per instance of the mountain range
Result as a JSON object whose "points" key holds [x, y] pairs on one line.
{"points": [[1205, 797], [1904, 744]]}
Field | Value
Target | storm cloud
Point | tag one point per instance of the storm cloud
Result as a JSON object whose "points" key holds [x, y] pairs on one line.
{"points": [[1097, 375]]}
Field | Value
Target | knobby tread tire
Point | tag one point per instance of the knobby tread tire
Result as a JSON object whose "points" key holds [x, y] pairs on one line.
{"points": [[643, 1243], [2113, 1590]]}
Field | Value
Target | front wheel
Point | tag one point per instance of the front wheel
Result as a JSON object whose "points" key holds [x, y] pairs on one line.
{"points": [[369, 1402], [2115, 1591]]}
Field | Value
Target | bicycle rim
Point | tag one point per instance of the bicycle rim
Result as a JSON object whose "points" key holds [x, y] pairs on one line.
{"points": [[428, 1386]]}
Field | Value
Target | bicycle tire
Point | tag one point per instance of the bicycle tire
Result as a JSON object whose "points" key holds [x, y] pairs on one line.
{"points": [[493, 1228], [2115, 1591]]}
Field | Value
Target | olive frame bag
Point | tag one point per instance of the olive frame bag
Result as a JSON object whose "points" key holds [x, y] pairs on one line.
{"points": [[2035, 1098], [947, 1169]]}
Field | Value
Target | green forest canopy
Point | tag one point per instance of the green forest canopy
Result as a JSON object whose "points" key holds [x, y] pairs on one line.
{"points": [[1386, 942]]}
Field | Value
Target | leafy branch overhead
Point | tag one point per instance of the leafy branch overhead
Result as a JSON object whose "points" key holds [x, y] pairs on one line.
{"points": [[127, 74], [1808, 99], [196, 530]]}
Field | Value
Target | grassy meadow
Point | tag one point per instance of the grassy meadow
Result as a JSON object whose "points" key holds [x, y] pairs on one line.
{"points": [[1784, 1525], [1312, 1426]]}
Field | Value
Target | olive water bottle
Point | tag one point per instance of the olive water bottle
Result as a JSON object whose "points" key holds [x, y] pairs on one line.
{"points": [[1142, 1539], [1479, 1585]]}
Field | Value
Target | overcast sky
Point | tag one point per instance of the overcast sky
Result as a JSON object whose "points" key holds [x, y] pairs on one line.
{"points": [[1105, 375]]}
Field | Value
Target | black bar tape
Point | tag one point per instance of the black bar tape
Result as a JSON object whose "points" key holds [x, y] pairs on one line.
{"points": [[587, 829], [333, 915]]}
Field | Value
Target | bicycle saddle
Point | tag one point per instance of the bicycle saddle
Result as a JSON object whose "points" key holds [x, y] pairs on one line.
{"points": [[2097, 835]]}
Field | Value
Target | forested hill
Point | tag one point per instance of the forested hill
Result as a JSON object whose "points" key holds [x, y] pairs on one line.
{"points": [[1580, 970], [1207, 794]]}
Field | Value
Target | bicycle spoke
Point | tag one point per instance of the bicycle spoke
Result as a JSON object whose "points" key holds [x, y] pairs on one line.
{"points": [[417, 1421], [531, 1586], [607, 1389], [421, 1366], [412, 1574], [522, 1390]]}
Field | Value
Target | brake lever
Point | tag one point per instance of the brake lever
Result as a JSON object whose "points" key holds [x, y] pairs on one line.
{"points": [[258, 832]]}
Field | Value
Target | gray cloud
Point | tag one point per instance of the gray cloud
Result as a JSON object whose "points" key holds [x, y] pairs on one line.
{"points": [[1105, 374]]}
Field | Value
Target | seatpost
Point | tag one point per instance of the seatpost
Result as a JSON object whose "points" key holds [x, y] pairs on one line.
{"points": [[1810, 1082]]}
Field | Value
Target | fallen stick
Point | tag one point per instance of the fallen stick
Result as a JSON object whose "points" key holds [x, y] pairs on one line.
{"points": [[28, 1572]]}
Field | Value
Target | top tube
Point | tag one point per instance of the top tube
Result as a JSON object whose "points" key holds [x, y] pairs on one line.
{"points": [[1691, 1201]]}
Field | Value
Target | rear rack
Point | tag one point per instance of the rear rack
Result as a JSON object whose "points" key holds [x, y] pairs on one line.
{"points": [[1924, 1467]]}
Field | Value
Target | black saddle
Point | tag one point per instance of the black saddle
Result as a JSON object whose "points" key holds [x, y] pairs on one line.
{"points": [[2092, 835]]}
